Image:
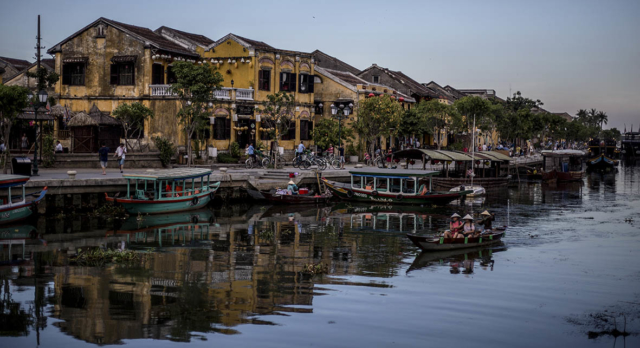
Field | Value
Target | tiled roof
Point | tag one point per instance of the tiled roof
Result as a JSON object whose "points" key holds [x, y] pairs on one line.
{"points": [[350, 80], [256, 44], [197, 38], [415, 86], [347, 77], [442, 93], [18, 64], [337, 64], [456, 93], [148, 36]]}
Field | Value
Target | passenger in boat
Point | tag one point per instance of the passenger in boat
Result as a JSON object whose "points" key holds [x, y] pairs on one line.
{"points": [[468, 228], [455, 227], [423, 190], [487, 219], [292, 187]]}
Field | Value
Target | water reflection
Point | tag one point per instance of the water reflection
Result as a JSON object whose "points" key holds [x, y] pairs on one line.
{"points": [[216, 271]]}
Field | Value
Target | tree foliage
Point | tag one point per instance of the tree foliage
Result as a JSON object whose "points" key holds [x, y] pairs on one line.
{"points": [[437, 117], [195, 85], [325, 133], [13, 99], [378, 116], [132, 116]]}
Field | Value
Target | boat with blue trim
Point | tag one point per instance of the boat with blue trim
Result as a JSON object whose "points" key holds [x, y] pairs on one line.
{"points": [[602, 155], [395, 186], [166, 191], [21, 206]]}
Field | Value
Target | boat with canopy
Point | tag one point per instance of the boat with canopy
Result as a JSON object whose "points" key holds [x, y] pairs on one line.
{"points": [[165, 191], [20, 206], [398, 186], [563, 165]]}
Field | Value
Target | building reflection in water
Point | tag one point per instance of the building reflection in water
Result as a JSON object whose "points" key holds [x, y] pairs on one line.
{"points": [[196, 273]]}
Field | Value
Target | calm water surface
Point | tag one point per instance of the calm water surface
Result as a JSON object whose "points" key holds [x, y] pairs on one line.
{"points": [[233, 275]]}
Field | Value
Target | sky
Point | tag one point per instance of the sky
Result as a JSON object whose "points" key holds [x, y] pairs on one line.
{"points": [[570, 54]]}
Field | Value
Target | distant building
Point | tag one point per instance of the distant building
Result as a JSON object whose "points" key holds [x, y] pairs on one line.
{"points": [[399, 81], [9, 67], [564, 115], [444, 96], [326, 61]]}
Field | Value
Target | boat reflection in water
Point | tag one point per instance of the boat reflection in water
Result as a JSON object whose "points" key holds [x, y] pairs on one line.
{"points": [[15, 242], [458, 261]]}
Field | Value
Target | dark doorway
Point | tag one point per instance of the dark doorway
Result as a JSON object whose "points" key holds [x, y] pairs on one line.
{"points": [[248, 135]]}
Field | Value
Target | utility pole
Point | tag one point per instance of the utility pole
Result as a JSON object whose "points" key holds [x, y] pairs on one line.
{"points": [[35, 152]]}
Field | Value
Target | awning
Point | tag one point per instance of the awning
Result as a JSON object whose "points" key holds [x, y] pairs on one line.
{"points": [[124, 59], [75, 60], [31, 116], [458, 156]]}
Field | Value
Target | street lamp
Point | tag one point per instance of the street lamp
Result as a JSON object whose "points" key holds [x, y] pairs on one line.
{"points": [[340, 112], [37, 101]]}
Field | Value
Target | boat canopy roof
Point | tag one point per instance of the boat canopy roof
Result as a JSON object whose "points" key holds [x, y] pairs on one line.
{"points": [[459, 156], [12, 180], [563, 153], [170, 174], [392, 173]]}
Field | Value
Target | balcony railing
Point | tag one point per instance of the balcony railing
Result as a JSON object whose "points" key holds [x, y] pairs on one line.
{"points": [[224, 93], [244, 94], [161, 91]]}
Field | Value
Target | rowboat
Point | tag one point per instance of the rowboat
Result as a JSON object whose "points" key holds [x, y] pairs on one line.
{"points": [[21, 206], [396, 186], [166, 191], [429, 243], [278, 197]]}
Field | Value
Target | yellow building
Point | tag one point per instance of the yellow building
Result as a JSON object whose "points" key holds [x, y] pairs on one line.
{"points": [[344, 88], [252, 70]]}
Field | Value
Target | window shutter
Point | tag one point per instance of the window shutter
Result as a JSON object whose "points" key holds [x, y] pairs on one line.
{"points": [[66, 74], [310, 129], [260, 79], [304, 130], [227, 128], [310, 80], [114, 74], [133, 74], [292, 82]]}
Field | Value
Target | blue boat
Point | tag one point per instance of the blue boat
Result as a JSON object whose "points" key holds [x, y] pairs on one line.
{"points": [[21, 206], [166, 191]]}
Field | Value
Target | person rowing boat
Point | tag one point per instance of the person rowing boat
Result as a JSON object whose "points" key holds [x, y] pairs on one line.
{"points": [[455, 227]]}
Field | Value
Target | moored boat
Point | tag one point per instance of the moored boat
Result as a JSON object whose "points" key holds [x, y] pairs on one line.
{"points": [[563, 165], [21, 206], [477, 190], [277, 196], [165, 191], [397, 186], [602, 155], [428, 243]]}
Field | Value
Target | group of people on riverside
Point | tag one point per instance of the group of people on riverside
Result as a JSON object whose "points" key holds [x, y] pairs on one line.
{"points": [[465, 227]]}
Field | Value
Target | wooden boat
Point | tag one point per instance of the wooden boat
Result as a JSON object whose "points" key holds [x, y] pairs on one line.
{"points": [[602, 155], [630, 145], [21, 206], [397, 186], [309, 198], [563, 165], [477, 190], [165, 191], [428, 243]]}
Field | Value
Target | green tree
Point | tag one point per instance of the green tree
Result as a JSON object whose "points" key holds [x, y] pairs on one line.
{"points": [[612, 133], [602, 118], [132, 116], [195, 85], [13, 99], [437, 116], [279, 113], [482, 110], [325, 133], [377, 117]]}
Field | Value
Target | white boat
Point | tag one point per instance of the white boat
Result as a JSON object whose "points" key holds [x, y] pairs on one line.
{"points": [[477, 190]]}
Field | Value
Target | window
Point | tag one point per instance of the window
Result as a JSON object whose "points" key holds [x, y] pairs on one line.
{"points": [[204, 133], [287, 82], [122, 74], [306, 83], [381, 184], [222, 130], [409, 186], [171, 76], [306, 130], [264, 80], [157, 74], [73, 74], [394, 185], [291, 133], [376, 79]]}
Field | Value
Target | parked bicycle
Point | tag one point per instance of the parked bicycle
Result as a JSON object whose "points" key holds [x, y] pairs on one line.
{"points": [[257, 162]]}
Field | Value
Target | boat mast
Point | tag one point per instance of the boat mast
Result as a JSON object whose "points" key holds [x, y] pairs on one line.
{"points": [[473, 148]]}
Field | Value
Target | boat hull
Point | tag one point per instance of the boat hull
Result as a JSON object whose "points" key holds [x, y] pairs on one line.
{"points": [[296, 199], [432, 244], [162, 206], [601, 162], [349, 194], [489, 184], [21, 211]]}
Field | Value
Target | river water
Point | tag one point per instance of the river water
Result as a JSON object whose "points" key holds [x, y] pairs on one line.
{"points": [[565, 276]]}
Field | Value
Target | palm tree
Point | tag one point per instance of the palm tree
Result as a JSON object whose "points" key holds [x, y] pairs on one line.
{"points": [[593, 118], [602, 118], [583, 115]]}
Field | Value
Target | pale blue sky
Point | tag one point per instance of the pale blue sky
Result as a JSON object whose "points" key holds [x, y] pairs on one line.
{"points": [[569, 54]]}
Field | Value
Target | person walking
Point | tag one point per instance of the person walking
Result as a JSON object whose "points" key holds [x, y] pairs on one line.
{"points": [[121, 152], [341, 151], [300, 149], [59, 148], [103, 155]]}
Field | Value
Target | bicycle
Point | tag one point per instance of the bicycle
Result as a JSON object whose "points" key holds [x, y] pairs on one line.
{"points": [[257, 162]]}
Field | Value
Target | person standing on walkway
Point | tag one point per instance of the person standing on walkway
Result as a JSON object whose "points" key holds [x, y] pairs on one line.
{"points": [[341, 151], [120, 154], [103, 154], [25, 142]]}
